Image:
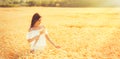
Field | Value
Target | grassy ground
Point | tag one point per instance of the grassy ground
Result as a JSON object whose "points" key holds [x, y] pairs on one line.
{"points": [[82, 33]]}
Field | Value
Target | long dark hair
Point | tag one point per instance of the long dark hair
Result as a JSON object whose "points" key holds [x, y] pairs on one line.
{"points": [[35, 18]]}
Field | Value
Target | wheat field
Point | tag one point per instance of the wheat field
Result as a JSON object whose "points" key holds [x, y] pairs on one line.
{"points": [[82, 33]]}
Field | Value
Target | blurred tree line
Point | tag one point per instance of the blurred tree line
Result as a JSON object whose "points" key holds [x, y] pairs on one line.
{"points": [[49, 3]]}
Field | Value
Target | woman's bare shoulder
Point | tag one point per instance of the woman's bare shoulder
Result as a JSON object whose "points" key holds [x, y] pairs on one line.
{"points": [[41, 26]]}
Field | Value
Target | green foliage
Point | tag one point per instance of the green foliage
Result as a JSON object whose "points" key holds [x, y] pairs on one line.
{"points": [[31, 3], [49, 3], [8, 3]]}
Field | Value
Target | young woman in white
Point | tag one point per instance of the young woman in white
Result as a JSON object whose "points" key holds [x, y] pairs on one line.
{"points": [[37, 34]]}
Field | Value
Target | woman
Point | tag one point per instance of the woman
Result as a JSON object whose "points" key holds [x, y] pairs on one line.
{"points": [[37, 34]]}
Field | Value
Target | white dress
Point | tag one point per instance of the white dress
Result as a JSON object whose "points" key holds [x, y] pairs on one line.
{"points": [[41, 43]]}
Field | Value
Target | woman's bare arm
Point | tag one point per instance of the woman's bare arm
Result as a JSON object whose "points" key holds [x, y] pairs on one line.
{"points": [[36, 37], [30, 40], [47, 37]]}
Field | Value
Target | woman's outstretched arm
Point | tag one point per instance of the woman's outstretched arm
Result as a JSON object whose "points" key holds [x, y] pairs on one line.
{"points": [[47, 37]]}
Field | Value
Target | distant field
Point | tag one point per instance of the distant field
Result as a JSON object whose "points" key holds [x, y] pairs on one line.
{"points": [[82, 33]]}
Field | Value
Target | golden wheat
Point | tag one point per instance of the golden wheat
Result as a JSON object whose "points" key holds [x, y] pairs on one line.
{"points": [[82, 33]]}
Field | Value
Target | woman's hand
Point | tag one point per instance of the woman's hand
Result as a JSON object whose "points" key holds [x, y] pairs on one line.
{"points": [[37, 37], [34, 38], [57, 47]]}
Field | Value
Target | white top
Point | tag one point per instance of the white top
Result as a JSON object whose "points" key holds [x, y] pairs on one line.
{"points": [[41, 43]]}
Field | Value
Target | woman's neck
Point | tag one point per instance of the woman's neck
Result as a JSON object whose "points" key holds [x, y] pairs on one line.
{"points": [[35, 27]]}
